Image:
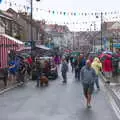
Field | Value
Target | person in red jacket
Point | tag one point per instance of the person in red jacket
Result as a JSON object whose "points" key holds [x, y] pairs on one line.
{"points": [[107, 67]]}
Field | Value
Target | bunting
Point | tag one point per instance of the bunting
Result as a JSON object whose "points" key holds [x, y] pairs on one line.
{"points": [[63, 13]]}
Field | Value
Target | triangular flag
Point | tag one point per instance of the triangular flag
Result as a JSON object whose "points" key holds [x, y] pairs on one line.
{"points": [[53, 12], [28, 8], [10, 4], [36, 9], [74, 14]]}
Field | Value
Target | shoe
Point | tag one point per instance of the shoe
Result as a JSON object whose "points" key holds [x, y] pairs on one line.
{"points": [[89, 106], [64, 81], [37, 85], [98, 89]]}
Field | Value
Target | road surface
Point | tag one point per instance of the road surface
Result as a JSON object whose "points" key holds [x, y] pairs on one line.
{"points": [[56, 102]]}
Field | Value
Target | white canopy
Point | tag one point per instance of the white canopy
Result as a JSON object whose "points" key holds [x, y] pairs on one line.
{"points": [[43, 47], [12, 39]]}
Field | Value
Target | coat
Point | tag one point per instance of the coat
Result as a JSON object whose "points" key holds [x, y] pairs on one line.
{"points": [[88, 75], [64, 67], [96, 65], [107, 65]]}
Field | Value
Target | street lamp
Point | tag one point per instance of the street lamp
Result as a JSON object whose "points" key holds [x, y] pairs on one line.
{"points": [[31, 16], [101, 29]]}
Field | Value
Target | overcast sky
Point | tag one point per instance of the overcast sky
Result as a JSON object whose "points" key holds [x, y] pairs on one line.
{"points": [[88, 6]]}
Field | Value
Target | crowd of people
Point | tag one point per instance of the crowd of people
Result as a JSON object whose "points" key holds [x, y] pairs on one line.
{"points": [[19, 67], [85, 70]]}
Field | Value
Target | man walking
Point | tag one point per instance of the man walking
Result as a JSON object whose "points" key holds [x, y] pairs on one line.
{"points": [[64, 70], [88, 77]]}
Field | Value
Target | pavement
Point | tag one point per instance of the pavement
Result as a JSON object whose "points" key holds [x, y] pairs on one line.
{"points": [[114, 91], [58, 101], [11, 84]]}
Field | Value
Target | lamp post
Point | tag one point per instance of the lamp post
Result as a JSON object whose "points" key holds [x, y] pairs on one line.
{"points": [[101, 29], [31, 30]]}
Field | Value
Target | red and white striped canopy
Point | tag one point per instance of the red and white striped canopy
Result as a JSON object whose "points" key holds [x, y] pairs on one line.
{"points": [[8, 43]]}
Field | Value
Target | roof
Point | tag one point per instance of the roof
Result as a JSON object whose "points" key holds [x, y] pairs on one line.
{"points": [[115, 26], [3, 16], [12, 39]]}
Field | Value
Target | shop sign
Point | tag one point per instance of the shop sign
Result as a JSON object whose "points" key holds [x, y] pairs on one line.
{"points": [[116, 45]]}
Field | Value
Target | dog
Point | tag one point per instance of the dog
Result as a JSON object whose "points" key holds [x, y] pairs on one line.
{"points": [[43, 80]]}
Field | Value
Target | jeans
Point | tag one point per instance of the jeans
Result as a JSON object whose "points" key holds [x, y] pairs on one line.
{"points": [[38, 79], [64, 75], [76, 72], [20, 77], [97, 82], [79, 74]]}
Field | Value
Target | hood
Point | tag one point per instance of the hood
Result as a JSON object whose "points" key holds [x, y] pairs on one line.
{"points": [[96, 59]]}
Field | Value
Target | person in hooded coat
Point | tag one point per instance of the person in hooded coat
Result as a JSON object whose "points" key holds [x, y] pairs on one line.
{"points": [[97, 66], [108, 68]]}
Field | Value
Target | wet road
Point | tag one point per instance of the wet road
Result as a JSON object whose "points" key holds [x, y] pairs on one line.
{"points": [[55, 102]]}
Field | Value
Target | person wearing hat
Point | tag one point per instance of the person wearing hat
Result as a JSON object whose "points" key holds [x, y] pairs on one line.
{"points": [[64, 69]]}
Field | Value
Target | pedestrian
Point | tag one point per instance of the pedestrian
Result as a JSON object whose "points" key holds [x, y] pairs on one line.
{"points": [[81, 63], [76, 67], [12, 70], [73, 63], [97, 66], [21, 72], [88, 77], [108, 68], [38, 72], [64, 69]]}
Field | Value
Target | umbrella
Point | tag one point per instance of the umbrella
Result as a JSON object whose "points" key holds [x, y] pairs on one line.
{"points": [[108, 52], [105, 55], [75, 53]]}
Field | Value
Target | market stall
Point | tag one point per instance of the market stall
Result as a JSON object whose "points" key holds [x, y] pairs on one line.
{"points": [[7, 44]]}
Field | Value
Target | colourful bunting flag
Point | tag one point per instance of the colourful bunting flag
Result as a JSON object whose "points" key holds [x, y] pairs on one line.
{"points": [[53, 12], [64, 13], [49, 11], [10, 4]]}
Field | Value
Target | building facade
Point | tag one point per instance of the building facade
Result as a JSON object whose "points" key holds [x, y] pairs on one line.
{"points": [[24, 20]]}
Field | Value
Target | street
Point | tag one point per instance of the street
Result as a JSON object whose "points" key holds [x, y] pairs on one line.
{"points": [[58, 101]]}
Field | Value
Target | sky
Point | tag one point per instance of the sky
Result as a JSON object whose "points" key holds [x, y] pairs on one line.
{"points": [[76, 6]]}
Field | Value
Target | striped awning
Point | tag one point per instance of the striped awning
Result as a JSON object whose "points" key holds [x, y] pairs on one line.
{"points": [[7, 43]]}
